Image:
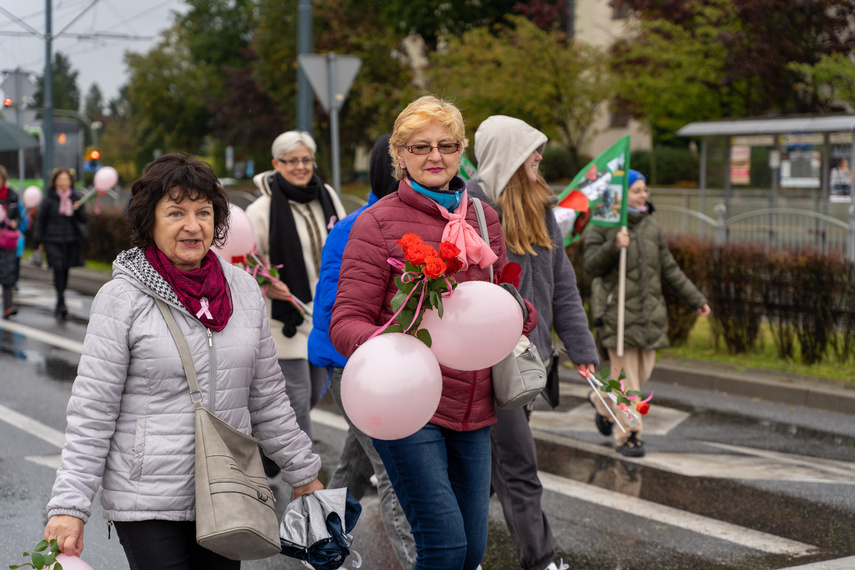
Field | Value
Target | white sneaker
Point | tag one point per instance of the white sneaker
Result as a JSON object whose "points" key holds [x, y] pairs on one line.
{"points": [[560, 566]]}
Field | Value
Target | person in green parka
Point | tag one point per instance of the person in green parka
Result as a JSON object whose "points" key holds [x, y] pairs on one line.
{"points": [[649, 264]]}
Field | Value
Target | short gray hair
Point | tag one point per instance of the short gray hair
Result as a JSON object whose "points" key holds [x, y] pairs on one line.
{"points": [[292, 140]]}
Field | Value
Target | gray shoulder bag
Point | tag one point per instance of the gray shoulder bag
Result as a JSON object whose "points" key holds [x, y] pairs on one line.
{"points": [[235, 515], [521, 376]]}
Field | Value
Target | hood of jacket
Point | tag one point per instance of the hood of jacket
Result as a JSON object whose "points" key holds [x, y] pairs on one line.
{"points": [[502, 145], [132, 262]]}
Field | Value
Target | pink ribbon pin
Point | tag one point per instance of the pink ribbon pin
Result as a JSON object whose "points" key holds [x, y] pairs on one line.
{"points": [[204, 312]]}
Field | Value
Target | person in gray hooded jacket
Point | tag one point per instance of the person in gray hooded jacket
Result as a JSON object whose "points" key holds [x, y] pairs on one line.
{"points": [[508, 152], [130, 418]]}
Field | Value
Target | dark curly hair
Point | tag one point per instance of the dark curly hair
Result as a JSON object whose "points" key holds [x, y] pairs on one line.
{"points": [[179, 176]]}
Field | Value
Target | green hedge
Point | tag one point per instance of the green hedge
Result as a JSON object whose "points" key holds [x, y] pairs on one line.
{"points": [[807, 299]]}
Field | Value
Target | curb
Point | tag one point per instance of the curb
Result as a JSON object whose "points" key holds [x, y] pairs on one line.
{"points": [[804, 391]]}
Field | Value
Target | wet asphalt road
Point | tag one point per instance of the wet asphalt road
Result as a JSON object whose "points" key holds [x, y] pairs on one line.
{"points": [[728, 482]]}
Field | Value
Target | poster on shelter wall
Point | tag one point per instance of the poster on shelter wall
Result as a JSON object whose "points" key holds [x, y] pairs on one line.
{"points": [[740, 165], [800, 168], [840, 175]]}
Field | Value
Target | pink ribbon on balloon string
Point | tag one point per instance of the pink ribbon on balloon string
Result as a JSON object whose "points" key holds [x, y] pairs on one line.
{"points": [[401, 308], [204, 311]]}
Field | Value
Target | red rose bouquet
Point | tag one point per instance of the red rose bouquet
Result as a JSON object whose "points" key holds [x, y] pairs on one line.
{"points": [[426, 276], [616, 390]]}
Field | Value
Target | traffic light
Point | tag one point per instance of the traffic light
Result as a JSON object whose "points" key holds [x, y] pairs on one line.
{"points": [[94, 154], [7, 102]]}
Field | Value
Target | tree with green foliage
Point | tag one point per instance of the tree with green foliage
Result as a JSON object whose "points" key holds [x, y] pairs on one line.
{"points": [[432, 19], [517, 69], [831, 81], [66, 93], [168, 97]]}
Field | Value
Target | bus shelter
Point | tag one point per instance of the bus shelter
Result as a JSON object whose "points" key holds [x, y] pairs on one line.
{"points": [[814, 153]]}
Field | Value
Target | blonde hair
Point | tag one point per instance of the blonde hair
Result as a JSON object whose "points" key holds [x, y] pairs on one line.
{"points": [[419, 114], [522, 205], [3, 174]]}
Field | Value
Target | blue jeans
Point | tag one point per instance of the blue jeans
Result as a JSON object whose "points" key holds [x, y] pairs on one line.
{"points": [[442, 479]]}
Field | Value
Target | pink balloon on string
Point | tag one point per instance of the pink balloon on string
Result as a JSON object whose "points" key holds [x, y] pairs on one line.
{"points": [[240, 239], [480, 325], [32, 197], [72, 562], [391, 386], [105, 178]]}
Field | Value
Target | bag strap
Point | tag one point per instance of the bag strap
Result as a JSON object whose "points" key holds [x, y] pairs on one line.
{"points": [[482, 225], [183, 351]]}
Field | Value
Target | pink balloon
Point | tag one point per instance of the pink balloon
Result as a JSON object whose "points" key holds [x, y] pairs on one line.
{"points": [[32, 197], [72, 562], [390, 387], [480, 326], [105, 178], [240, 239]]}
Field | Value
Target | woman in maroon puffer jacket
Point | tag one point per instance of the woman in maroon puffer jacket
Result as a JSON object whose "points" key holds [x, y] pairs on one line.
{"points": [[441, 473]]}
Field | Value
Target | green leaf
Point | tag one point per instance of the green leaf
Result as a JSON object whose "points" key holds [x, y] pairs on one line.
{"points": [[393, 329], [405, 318], [38, 560], [41, 546], [435, 300], [397, 301], [58, 566], [439, 308], [424, 336]]}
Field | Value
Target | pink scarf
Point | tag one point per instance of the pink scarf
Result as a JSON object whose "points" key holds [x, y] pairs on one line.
{"points": [[473, 248], [204, 292], [65, 206]]}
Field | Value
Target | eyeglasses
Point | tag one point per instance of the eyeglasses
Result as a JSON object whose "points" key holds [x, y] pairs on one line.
{"points": [[444, 148], [295, 162]]}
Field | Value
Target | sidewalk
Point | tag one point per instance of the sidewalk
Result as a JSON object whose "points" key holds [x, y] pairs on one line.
{"points": [[779, 387]]}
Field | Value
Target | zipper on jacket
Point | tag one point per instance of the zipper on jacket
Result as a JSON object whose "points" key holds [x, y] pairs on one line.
{"points": [[212, 388], [109, 528], [471, 399]]}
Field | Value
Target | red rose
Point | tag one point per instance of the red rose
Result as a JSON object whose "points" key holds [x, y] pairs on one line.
{"points": [[434, 267], [418, 253], [448, 251], [454, 265], [642, 408], [408, 241]]}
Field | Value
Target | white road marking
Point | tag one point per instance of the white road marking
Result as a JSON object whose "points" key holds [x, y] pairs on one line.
{"points": [[641, 508], [41, 336], [32, 427], [675, 517]]}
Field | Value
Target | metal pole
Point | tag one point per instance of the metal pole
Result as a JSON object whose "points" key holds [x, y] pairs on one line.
{"points": [[304, 45], [332, 70], [19, 120], [702, 182], [571, 19], [47, 119]]}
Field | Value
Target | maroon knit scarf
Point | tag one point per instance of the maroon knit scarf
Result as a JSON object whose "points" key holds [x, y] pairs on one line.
{"points": [[203, 291]]}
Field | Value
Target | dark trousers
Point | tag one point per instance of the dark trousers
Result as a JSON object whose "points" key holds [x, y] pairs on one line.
{"points": [[7, 296], [517, 486], [168, 545], [60, 282]]}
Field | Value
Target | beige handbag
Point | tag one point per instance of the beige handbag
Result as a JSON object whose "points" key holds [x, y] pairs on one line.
{"points": [[520, 376], [235, 514]]}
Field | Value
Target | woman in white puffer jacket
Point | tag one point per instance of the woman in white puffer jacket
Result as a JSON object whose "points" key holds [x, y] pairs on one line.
{"points": [[130, 418]]}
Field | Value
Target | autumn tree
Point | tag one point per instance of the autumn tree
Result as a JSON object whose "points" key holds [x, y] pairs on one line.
{"points": [[707, 59], [520, 70]]}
